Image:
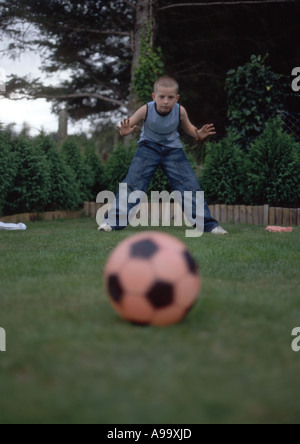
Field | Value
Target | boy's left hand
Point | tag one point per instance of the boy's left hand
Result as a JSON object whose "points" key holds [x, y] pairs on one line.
{"points": [[206, 131]]}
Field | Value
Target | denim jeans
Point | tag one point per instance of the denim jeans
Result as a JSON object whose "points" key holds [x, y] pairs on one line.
{"points": [[147, 159]]}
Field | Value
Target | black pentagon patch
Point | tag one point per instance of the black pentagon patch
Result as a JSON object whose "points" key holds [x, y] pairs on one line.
{"points": [[144, 249], [191, 264], [114, 288], [161, 295]]}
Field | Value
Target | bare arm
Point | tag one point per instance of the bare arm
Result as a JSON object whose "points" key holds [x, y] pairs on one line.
{"points": [[191, 130], [129, 125]]}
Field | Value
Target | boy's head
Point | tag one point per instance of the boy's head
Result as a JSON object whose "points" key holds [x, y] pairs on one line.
{"points": [[166, 82], [165, 94]]}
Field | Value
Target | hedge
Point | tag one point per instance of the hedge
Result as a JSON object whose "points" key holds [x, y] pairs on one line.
{"points": [[268, 174], [37, 176]]}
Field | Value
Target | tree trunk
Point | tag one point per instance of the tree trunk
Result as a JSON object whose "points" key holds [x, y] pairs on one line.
{"points": [[62, 126], [145, 17]]}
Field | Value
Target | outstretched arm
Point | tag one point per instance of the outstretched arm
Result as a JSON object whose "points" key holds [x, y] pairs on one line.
{"points": [[201, 134], [129, 125]]}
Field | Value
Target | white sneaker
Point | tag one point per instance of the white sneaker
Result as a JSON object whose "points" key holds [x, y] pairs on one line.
{"points": [[105, 227], [219, 230]]}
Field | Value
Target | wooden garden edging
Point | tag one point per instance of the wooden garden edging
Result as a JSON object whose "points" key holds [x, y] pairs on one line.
{"points": [[237, 214], [48, 216], [256, 215]]}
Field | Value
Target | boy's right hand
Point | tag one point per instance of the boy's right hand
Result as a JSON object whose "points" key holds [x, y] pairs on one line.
{"points": [[125, 128]]}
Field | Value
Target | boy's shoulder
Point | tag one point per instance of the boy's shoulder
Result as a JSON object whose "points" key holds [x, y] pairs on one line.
{"points": [[183, 112], [141, 113]]}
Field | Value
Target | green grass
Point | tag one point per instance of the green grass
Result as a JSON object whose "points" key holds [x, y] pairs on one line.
{"points": [[70, 359]]}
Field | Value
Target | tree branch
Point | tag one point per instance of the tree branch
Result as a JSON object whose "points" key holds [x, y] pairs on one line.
{"points": [[220, 3], [68, 97], [95, 31], [81, 96], [130, 4]]}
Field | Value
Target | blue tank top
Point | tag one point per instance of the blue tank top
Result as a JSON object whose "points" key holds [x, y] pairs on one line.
{"points": [[162, 129]]}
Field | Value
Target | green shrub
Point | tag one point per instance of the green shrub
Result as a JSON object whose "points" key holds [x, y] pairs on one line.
{"points": [[31, 187], [73, 157], [255, 94], [36, 176], [222, 177], [7, 169], [273, 173], [94, 164], [117, 166], [150, 68], [65, 193]]}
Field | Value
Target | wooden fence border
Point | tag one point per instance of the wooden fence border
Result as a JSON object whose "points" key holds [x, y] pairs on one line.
{"points": [[47, 216], [237, 214]]}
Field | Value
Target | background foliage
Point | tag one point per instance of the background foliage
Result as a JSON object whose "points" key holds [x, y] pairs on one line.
{"points": [[268, 174], [254, 94], [38, 176], [7, 169], [222, 177], [150, 68], [273, 168], [95, 41], [31, 186]]}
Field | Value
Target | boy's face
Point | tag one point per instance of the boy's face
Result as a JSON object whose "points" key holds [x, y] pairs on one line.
{"points": [[165, 99]]}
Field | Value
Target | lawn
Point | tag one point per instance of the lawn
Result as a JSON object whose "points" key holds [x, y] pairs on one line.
{"points": [[70, 359]]}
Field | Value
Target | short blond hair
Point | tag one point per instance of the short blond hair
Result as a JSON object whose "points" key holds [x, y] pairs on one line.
{"points": [[167, 82]]}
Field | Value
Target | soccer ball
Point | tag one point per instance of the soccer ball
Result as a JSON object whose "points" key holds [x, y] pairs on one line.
{"points": [[152, 279]]}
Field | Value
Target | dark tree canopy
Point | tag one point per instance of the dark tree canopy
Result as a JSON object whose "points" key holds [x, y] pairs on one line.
{"points": [[201, 44], [97, 41], [89, 38]]}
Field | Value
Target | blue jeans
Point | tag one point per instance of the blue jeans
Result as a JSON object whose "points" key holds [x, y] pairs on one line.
{"points": [[147, 159]]}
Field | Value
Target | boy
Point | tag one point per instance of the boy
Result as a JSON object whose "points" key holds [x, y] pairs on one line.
{"points": [[160, 144]]}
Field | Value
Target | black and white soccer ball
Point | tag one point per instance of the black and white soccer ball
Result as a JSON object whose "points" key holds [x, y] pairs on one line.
{"points": [[152, 279]]}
